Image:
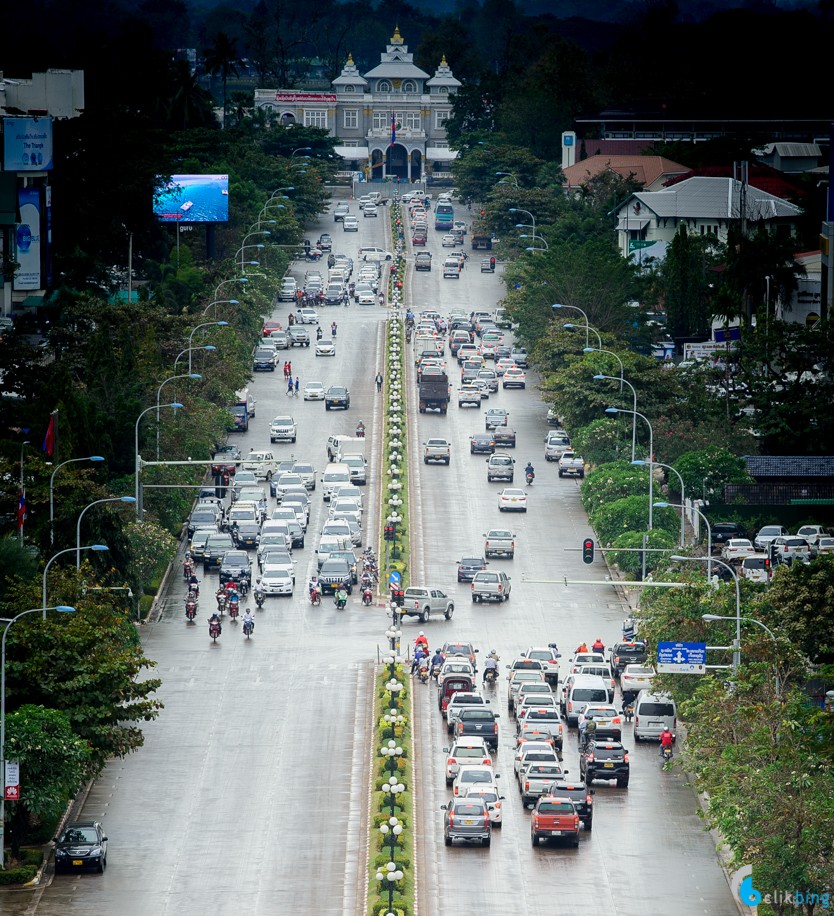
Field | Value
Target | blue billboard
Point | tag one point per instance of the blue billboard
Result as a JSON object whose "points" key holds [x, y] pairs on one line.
{"points": [[27, 144], [193, 199], [27, 240]]}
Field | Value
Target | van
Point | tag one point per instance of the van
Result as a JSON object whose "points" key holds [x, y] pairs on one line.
{"points": [[586, 690], [335, 475], [329, 543], [500, 467], [653, 713], [451, 268], [262, 464], [757, 568]]}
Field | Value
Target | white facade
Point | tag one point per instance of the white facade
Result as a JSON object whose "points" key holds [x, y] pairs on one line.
{"points": [[388, 123]]}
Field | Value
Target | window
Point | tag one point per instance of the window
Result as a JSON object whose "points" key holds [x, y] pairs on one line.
{"points": [[413, 120], [349, 89], [440, 118], [382, 119], [409, 86], [383, 86], [351, 119], [315, 118]]}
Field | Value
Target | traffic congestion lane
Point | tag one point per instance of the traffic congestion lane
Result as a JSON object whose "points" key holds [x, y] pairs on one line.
{"points": [[249, 795], [654, 822]]}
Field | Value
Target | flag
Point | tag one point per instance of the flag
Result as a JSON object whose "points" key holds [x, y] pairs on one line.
{"points": [[393, 128], [21, 509], [49, 438]]}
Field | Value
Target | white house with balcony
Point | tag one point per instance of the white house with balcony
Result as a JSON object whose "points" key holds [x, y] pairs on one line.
{"points": [[388, 123]]}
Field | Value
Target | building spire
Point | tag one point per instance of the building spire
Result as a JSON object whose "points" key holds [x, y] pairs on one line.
{"points": [[396, 38]]}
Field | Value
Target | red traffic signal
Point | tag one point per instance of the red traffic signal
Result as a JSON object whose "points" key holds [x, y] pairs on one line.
{"points": [[483, 212], [388, 533], [398, 597], [588, 550]]}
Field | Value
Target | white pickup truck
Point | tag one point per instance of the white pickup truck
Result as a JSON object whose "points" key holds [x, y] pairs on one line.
{"points": [[571, 465], [499, 543]]}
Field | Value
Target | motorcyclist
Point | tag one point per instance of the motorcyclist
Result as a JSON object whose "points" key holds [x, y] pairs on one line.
{"points": [[436, 660], [490, 664], [598, 645], [582, 647], [313, 585], [319, 333], [667, 739], [194, 584], [422, 643], [530, 471], [234, 601], [214, 622], [590, 731], [420, 657], [258, 590], [248, 619], [341, 597], [360, 430]]}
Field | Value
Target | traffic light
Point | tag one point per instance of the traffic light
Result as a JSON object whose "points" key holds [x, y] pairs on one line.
{"points": [[588, 550], [483, 212], [492, 263], [388, 533], [398, 597]]}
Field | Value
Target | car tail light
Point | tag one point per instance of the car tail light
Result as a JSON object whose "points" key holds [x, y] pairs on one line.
{"points": [[486, 817], [570, 706], [625, 758], [637, 721], [495, 727], [472, 587], [500, 587], [615, 720], [590, 758], [451, 761], [526, 783], [588, 800], [452, 818], [575, 822]]}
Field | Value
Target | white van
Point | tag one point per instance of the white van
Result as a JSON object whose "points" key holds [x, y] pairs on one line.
{"points": [[329, 543], [653, 713], [586, 690], [335, 475], [261, 464], [757, 568]]}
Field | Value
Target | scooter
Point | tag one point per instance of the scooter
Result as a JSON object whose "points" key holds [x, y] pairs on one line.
{"points": [[530, 478], [222, 601], [340, 603], [190, 610], [214, 629], [187, 568], [259, 598], [367, 597], [435, 671], [490, 675], [666, 753], [423, 673], [360, 432], [628, 711], [248, 628], [315, 597], [234, 610]]}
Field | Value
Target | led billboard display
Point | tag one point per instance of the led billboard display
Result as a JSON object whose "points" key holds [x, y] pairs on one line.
{"points": [[193, 199]]}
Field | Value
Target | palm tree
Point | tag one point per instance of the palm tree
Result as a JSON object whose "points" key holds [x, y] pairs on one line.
{"points": [[222, 58]]}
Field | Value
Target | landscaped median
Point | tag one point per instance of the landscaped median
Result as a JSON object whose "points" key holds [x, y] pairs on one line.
{"points": [[390, 869]]}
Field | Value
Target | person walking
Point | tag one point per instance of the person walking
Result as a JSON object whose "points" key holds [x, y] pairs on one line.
{"points": [[378, 382], [333, 328]]}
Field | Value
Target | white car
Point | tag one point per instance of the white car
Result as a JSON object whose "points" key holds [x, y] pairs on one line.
{"points": [[469, 776], [549, 657], [366, 297], [466, 751], [530, 751], [514, 378], [369, 210], [512, 500], [792, 548], [314, 391], [825, 545], [345, 509], [277, 558], [282, 429], [350, 224], [325, 347], [307, 315], [493, 799], [276, 580], [448, 241], [635, 678], [737, 549], [455, 665]]}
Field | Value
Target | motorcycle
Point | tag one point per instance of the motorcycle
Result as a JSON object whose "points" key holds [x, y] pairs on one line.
{"points": [[423, 674], [259, 598], [340, 602], [222, 601], [360, 432], [435, 671], [367, 597], [248, 628], [187, 568], [628, 711], [315, 597], [214, 629], [490, 676], [190, 610], [666, 753], [234, 610], [193, 593], [530, 478]]}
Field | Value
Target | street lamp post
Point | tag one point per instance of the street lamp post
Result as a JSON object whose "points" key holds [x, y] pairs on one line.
{"points": [[208, 347], [391, 830], [558, 305], [651, 454], [393, 787], [97, 502], [391, 751], [515, 183], [770, 633], [619, 361], [708, 557], [205, 324], [97, 547], [534, 236], [63, 609], [242, 249], [737, 618], [217, 302], [175, 405], [51, 491], [622, 382], [276, 196], [683, 493], [586, 328], [526, 213], [192, 375], [301, 149], [389, 874], [20, 524]]}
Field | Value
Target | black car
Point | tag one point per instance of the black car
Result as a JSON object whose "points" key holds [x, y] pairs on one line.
{"points": [[201, 518], [481, 444], [605, 760], [334, 574], [224, 459], [504, 437], [627, 653], [724, 531], [582, 797], [298, 336], [350, 558], [468, 566], [235, 567], [325, 242], [336, 396], [246, 535], [478, 722], [82, 845], [216, 546], [263, 360]]}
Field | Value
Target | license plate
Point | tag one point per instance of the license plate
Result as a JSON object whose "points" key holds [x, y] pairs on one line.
{"points": [[608, 766], [555, 833], [469, 822], [77, 861], [657, 724]]}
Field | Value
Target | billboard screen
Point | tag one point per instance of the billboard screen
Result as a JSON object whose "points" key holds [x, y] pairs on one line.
{"points": [[27, 144], [28, 240], [193, 199]]}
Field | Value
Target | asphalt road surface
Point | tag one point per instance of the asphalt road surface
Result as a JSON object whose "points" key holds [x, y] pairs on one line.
{"points": [[249, 796]]}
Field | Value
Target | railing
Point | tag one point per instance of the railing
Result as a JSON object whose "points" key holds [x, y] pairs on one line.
{"points": [[403, 133]]}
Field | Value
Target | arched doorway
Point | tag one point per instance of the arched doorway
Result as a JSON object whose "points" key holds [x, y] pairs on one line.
{"points": [[377, 162], [396, 162], [416, 165]]}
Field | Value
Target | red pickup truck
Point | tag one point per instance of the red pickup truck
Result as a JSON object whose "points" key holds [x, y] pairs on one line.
{"points": [[556, 818]]}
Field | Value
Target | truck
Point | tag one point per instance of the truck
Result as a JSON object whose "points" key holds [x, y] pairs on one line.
{"points": [[434, 393], [342, 445], [423, 601], [571, 465], [554, 817], [499, 543], [241, 411]]}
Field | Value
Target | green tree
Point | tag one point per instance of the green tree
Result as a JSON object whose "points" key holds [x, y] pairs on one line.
{"points": [[222, 58], [18, 562], [709, 469], [686, 282], [631, 561], [631, 514], [611, 482], [53, 766], [601, 442]]}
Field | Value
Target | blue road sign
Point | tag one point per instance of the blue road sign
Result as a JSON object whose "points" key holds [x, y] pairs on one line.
{"points": [[682, 657], [395, 578]]}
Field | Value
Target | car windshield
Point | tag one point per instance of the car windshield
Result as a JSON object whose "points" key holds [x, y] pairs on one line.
{"points": [[480, 714], [543, 654], [476, 776], [602, 752], [554, 807], [463, 700], [541, 769], [589, 695], [469, 809], [80, 835]]}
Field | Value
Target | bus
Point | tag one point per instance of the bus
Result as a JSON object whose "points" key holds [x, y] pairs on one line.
{"points": [[444, 217]]}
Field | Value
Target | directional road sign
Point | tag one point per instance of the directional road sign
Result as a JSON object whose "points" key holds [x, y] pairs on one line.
{"points": [[682, 657], [394, 578]]}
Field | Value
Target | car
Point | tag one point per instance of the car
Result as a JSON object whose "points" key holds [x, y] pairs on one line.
{"points": [[580, 794], [823, 545], [335, 572], [81, 845], [419, 238], [556, 443], [369, 209], [499, 542], [511, 499], [373, 253], [463, 699], [627, 653], [466, 649], [466, 751], [608, 720], [791, 548], [493, 799], [269, 326], [459, 255], [737, 549], [500, 467], [536, 778], [472, 775], [282, 429], [422, 260], [467, 819], [812, 534], [246, 535], [448, 241], [325, 347], [325, 242], [337, 396], [422, 601], [350, 224], [468, 566], [635, 678], [314, 391], [605, 760], [298, 336], [469, 395], [307, 315], [460, 226], [519, 357], [342, 210], [481, 444], [203, 518], [217, 545], [287, 291], [549, 656], [504, 437], [454, 667], [496, 416], [197, 544], [235, 567], [276, 580], [437, 450], [533, 752], [366, 297], [514, 377], [224, 458], [490, 585], [725, 531], [767, 534], [490, 376]]}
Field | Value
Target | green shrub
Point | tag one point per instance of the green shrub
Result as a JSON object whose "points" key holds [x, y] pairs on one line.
{"points": [[22, 874], [631, 514], [632, 562]]}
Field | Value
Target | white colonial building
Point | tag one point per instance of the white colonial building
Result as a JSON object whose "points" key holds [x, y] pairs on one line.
{"points": [[389, 122]]}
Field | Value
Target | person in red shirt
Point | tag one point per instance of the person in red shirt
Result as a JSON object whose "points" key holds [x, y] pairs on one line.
{"points": [[667, 739], [598, 646]]}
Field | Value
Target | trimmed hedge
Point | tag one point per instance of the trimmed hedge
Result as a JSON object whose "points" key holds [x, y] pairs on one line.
{"points": [[21, 874]]}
